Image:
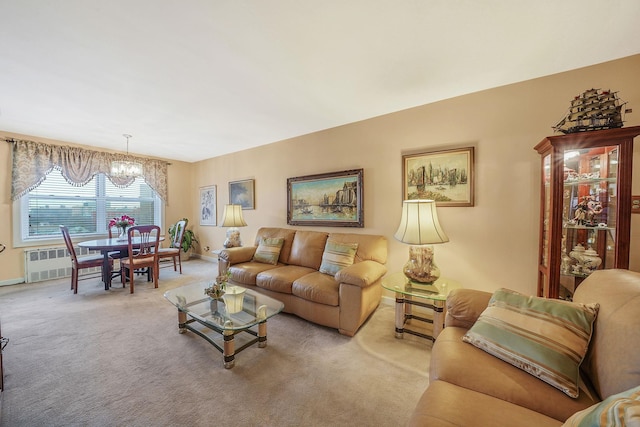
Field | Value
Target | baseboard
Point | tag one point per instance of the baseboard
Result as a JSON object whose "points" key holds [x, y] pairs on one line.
{"points": [[12, 281]]}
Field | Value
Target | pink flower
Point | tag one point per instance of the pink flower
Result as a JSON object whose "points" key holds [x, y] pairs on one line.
{"points": [[122, 221]]}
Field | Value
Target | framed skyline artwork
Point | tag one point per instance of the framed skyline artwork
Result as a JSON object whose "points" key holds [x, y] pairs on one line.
{"points": [[444, 176], [329, 199], [208, 202]]}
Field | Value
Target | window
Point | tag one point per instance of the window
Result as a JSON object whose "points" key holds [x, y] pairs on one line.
{"points": [[86, 210]]}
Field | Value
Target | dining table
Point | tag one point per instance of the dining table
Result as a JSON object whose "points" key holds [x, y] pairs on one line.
{"points": [[106, 246]]}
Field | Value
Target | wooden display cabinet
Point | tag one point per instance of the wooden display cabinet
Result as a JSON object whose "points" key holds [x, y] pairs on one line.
{"points": [[585, 207]]}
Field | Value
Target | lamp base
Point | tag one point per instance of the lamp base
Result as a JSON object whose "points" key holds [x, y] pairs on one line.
{"points": [[233, 238], [421, 268]]}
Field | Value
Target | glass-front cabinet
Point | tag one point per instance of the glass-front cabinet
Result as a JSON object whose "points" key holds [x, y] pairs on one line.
{"points": [[585, 209]]}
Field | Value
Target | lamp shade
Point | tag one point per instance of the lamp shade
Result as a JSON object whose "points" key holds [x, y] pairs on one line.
{"points": [[419, 223], [232, 216]]}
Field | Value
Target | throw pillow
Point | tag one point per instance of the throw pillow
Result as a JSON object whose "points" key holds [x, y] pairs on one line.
{"points": [[268, 250], [337, 256], [545, 337], [622, 409]]}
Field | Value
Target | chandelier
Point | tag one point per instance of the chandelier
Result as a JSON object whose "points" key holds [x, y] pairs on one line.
{"points": [[126, 169]]}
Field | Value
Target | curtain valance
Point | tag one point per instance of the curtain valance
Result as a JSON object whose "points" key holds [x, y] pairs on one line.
{"points": [[32, 161]]}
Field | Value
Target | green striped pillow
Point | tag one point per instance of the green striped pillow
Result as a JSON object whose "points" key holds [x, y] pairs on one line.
{"points": [[337, 256], [545, 337], [622, 409], [268, 250]]}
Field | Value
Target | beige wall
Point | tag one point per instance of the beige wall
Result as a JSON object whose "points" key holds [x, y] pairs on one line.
{"points": [[180, 204], [493, 244]]}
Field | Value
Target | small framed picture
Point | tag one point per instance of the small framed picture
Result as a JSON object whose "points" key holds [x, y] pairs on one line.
{"points": [[444, 176], [208, 203], [242, 193]]}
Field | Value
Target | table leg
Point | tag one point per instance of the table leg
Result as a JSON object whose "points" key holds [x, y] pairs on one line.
{"points": [[399, 315], [182, 321], [439, 313], [262, 334], [229, 353], [106, 270]]}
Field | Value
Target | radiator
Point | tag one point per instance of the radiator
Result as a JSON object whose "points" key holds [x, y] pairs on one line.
{"points": [[52, 263]]}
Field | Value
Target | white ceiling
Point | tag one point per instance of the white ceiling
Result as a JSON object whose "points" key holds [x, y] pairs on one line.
{"points": [[196, 79]]}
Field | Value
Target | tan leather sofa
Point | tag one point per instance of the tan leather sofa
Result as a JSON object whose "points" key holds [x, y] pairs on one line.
{"points": [[469, 387], [343, 302]]}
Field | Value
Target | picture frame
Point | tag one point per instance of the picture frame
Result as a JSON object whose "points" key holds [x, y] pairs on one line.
{"points": [[208, 205], [446, 176], [329, 199], [242, 193]]}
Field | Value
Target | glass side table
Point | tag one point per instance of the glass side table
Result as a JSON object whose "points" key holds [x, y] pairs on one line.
{"points": [[433, 297]]}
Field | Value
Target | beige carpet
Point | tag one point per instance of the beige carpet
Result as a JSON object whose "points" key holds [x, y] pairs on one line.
{"points": [[109, 358]]}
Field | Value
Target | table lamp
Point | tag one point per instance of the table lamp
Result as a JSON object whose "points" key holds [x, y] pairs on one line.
{"points": [[420, 228], [232, 217]]}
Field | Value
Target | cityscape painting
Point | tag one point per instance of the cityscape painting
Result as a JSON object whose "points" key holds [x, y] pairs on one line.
{"points": [[329, 199], [443, 176]]}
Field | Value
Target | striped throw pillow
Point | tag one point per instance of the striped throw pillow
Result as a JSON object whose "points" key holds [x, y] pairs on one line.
{"points": [[337, 256], [622, 409], [545, 337], [268, 250]]}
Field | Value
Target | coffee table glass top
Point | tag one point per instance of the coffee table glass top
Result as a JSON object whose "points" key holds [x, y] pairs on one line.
{"points": [[398, 282], [256, 308]]}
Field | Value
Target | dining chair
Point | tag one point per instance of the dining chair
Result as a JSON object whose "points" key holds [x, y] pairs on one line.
{"points": [[78, 263], [143, 252], [173, 251]]}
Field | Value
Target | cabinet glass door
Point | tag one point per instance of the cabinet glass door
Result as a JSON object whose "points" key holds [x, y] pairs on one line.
{"points": [[589, 207]]}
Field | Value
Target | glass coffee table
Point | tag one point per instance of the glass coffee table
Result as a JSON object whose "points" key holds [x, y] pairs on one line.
{"points": [[219, 322]]}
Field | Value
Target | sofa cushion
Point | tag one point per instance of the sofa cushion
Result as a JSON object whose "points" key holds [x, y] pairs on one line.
{"points": [[317, 287], [460, 363], [307, 249], [281, 279], [546, 338], [622, 409], [370, 247], [275, 232], [337, 256], [268, 250], [447, 405], [246, 272]]}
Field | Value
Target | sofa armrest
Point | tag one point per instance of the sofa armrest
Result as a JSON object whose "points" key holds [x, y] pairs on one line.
{"points": [[238, 254], [361, 274], [464, 306]]}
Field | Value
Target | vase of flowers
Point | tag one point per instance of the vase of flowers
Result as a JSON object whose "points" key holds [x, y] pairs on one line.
{"points": [[217, 288], [122, 222]]}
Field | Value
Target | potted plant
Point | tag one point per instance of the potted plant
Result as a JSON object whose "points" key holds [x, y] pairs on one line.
{"points": [[189, 240]]}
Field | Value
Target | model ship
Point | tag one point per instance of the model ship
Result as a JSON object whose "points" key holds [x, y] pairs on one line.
{"points": [[592, 110]]}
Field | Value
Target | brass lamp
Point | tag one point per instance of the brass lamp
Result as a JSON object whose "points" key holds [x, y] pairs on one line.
{"points": [[232, 217], [420, 228]]}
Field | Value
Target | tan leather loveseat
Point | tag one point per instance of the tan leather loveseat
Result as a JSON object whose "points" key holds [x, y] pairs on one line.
{"points": [[343, 302], [469, 387]]}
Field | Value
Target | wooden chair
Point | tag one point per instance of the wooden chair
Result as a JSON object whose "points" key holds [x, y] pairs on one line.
{"points": [[78, 263], [143, 252], [173, 251]]}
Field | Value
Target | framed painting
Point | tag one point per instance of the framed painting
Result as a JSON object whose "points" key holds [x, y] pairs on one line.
{"points": [[242, 193], [329, 199], [208, 203], [444, 176]]}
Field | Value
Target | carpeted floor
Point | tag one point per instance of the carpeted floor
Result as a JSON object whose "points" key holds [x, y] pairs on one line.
{"points": [[109, 358]]}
